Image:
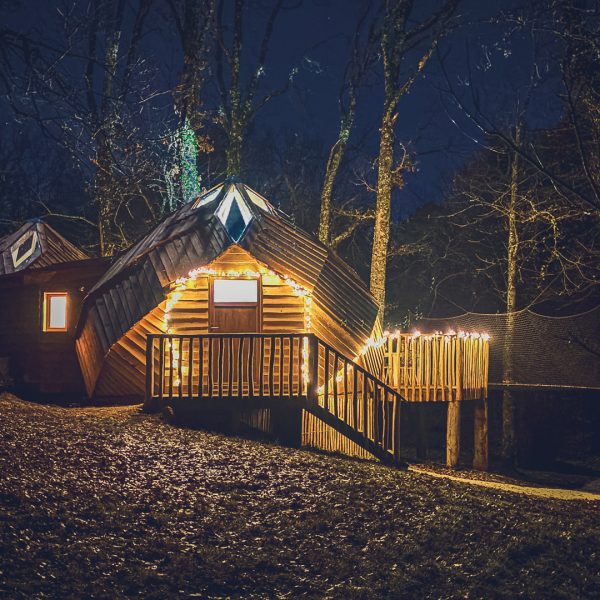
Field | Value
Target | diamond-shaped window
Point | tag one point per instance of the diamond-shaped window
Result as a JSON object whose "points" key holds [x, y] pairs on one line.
{"points": [[234, 213], [25, 249]]}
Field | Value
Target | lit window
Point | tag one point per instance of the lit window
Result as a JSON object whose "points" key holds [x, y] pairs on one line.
{"points": [[208, 197], [235, 291], [55, 311], [257, 199]]}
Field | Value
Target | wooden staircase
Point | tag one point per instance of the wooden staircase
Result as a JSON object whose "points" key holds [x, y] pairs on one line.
{"points": [[262, 371]]}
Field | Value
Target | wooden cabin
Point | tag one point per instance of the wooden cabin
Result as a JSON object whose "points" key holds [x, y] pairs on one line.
{"points": [[43, 280], [247, 269], [228, 307]]}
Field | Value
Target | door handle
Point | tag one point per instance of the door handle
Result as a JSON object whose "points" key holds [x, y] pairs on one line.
{"points": [[214, 327]]}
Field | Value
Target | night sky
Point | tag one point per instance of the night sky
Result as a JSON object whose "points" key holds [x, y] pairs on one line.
{"points": [[314, 36]]}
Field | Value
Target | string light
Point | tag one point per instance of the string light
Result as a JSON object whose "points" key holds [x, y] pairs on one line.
{"points": [[187, 281], [373, 343]]}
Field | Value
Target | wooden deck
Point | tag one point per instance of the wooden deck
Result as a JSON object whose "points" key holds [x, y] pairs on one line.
{"points": [[344, 406], [437, 367], [262, 371]]}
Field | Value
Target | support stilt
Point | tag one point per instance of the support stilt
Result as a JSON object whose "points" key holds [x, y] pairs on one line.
{"points": [[453, 434]]}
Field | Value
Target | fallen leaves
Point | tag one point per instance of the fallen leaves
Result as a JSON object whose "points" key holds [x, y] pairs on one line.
{"points": [[111, 503]]}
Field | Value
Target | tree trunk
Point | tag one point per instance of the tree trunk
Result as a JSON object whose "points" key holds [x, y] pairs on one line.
{"points": [[234, 147], [110, 239], [381, 233], [508, 402], [106, 197], [336, 155]]}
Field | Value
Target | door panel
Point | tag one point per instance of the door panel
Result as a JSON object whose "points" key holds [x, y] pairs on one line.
{"points": [[233, 318]]}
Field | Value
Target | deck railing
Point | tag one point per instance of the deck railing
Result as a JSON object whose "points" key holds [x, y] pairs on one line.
{"points": [[355, 396], [226, 366], [445, 368], [265, 367]]}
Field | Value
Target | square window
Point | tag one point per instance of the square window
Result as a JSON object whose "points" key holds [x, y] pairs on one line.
{"points": [[235, 291], [55, 311]]}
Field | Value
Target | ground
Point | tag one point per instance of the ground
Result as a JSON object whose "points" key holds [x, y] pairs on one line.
{"points": [[112, 503]]}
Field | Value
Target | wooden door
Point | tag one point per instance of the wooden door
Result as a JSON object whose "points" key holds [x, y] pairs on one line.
{"points": [[231, 313]]}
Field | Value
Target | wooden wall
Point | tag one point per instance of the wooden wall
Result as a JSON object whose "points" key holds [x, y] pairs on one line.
{"points": [[123, 370], [39, 361]]}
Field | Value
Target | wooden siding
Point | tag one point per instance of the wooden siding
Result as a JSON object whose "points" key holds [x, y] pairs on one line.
{"points": [[123, 366]]}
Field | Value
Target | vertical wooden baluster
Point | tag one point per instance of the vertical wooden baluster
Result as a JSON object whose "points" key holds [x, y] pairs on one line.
{"points": [[281, 352], [161, 368], [355, 397], [240, 375], [300, 360], [271, 364], [346, 399], [335, 384], [211, 341], [230, 374], [365, 404], [190, 366], [220, 367], [376, 431], [171, 368], [380, 395], [262, 362], [383, 397], [388, 421], [313, 369], [149, 369], [201, 368], [291, 368], [180, 367], [326, 382], [251, 367]]}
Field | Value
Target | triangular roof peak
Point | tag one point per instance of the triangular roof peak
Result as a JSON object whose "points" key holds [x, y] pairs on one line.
{"points": [[234, 204]]}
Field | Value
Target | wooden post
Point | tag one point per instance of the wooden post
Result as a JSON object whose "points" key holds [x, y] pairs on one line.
{"points": [[453, 421], [480, 436], [453, 434], [149, 399], [313, 369]]}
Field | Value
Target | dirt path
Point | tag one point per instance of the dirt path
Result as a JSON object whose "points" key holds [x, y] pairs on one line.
{"points": [[539, 492]]}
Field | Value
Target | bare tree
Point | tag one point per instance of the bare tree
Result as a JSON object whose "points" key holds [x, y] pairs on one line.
{"points": [[399, 43], [362, 59], [239, 101], [86, 85], [195, 23]]}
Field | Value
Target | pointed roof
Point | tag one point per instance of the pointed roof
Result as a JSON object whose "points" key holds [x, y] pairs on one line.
{"points": [[35, 244], [229, 214], [234, 202]]}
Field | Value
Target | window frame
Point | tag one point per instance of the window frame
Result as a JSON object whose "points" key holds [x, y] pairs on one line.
{"points": [[47, 312], [234, 303]]}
